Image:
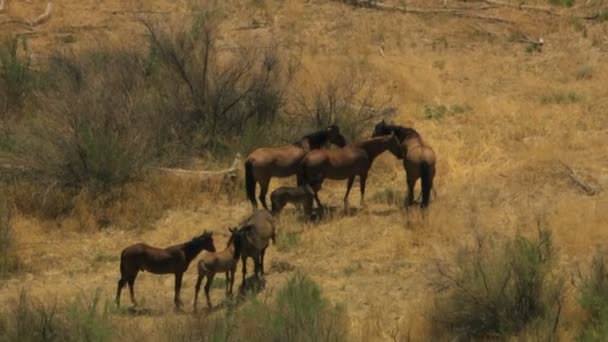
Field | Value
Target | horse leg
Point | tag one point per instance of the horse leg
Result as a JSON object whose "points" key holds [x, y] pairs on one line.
{"points": [[131, 282], [121, 283], [178, 286], [244, 262], [349, 185], [256, 265], [263, 191], [197, 288], [207, 287], [232, 273], [262, 260], [362, 180]]}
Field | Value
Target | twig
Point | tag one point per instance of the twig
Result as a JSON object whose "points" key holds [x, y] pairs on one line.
{"points": [[590, 190], [233, 168]]}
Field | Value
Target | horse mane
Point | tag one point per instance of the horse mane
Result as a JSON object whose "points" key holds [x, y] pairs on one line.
{"points": [[401, 132], [315, 139], [194, 246]]}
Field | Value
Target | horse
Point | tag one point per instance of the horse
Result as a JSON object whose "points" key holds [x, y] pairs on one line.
{"points": [[224, 261], [282, 161], [295, 195], [347, 162], [418, 162], [174, 259], [258, 229]]}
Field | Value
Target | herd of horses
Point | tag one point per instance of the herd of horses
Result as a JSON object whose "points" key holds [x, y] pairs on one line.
{"points": [[311, 164]]}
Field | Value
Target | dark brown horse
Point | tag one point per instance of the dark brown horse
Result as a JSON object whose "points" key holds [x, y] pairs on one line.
{"points": [[282, 161], [419, 161], [170, 260], [345, 163]]}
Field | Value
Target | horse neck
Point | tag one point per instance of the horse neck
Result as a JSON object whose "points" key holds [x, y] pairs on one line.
{"points": [[374, 147], [191, 251], [315, 140]]}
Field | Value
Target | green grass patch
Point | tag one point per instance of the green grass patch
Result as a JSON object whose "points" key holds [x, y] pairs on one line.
{"points": [[441, 111], [561, 98], [563, 3], [287, 241]]}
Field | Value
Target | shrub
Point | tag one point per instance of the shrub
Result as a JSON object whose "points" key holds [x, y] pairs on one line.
{"points": [[299, 313], [500, 291], [561, 98], [287, 241], [594, 300], [15, 79], [584, 72], [9, 260], [85, 319]]}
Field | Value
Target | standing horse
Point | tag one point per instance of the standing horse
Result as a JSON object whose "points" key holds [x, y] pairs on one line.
{"points": [[257, 231], [345, 163], [282, 161], [224, 261], [419, 161], [174, 259]]}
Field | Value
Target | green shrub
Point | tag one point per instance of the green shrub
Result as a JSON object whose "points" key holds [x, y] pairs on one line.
{"points": [[564, 3], [561, 98], [499, 291], [287, 241], [15, 78], [594, 300], [441, 111]]}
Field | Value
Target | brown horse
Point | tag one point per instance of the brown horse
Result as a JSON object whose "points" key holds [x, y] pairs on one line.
{"points": [[174, 259], [224, 261], [345, 163], [282, 161], [258, 229], [419, 161]]}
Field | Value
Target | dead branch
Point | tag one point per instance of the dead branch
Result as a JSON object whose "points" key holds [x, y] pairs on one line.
{"points": [[521, 6], [590, 190], [459, 12], [204, 173], [41, 19]]}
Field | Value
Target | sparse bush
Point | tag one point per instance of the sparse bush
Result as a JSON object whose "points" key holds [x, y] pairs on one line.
{"points": [[389, 196], [561, 98], [352, 268], [350, 101], [594, 300], [441, 111], [287, 241], [9, 260], [85, 319], [15, 80], [500, 290]]}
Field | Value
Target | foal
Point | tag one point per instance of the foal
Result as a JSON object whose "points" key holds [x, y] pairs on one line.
{"points": [[299, 195], [224, 261], [174, 259]]}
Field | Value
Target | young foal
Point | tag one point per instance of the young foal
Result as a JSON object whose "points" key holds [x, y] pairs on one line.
{"points": [[419, 161], [345, 163], [282, 161], [257, 231], [224, 261], [174, 259], [294, 195]]}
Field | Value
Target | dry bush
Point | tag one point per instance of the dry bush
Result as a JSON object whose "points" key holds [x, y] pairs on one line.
{"points": [[500, 290], [594, 300], [350, 101], [221, 93], [9, 260], [16, 80]]}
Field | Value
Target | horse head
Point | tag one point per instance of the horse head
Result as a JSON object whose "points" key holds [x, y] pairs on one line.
{"points": [[334, 136], [205, 241], [381, 128]]}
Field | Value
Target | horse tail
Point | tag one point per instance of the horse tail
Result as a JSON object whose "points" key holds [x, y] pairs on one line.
{"points": [[122, 265], [250, 182], [427, 183]]}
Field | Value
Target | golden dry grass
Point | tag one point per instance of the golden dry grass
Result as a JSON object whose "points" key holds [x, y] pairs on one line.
{"points": [[499, 164]]}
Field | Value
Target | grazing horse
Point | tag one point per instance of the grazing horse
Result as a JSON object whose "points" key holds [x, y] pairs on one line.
{"points": [[174, 259], [419, 160], [257, 230], [345, 163], [224, 261], [282, 161], [294, 195]]}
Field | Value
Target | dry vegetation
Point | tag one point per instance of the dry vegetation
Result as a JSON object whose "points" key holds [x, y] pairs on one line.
{"points": [[95, 97]]}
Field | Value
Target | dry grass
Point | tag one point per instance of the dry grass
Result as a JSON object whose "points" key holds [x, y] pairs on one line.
{"points": [[498, 165]]}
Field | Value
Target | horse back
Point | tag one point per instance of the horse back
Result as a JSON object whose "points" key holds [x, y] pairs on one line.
{"points": [[263, 228]]}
